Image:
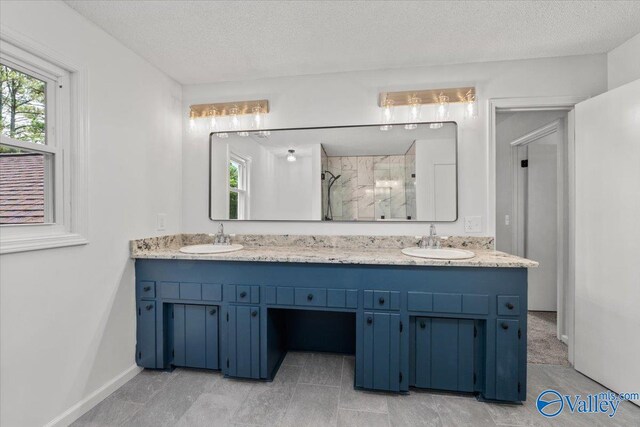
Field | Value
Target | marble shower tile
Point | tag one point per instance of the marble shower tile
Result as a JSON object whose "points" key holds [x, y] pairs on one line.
{"points": [[349, 163], [365, 170], [380, 162], [365, 196], [382, 203]]}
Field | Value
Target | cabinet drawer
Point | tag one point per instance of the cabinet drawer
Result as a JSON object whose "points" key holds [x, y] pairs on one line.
{"points": [[382, 300], [191, 291], [249, 294], [170, 290], [146, 289], [316, 297], [211, 292], [342, 298], [420, 301], [508, 305]]}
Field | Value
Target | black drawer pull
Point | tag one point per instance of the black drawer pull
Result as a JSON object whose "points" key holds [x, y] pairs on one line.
{"points": [[212, 311], [146, 288], [505, 326], [243, 294], [509, 306], [254, 313], [149, 307], [369, 320], [310, 297], [423, 325], [381, 301]]}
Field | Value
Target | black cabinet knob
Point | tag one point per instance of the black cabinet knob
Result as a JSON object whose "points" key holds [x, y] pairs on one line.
{"points": [[369, 320], [146, 288], [310, 297], [212, 311], [254, 313], [381, 301], [423, 325], [243, 294], [509, 306], [505, 326], [149, 306]]}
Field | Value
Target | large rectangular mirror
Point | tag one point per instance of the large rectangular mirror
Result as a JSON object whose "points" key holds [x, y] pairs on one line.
{"points": [[350, 173]]}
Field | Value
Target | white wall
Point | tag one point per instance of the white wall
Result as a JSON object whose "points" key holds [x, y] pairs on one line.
{"points": [[67, 316], [351, 98], [623, 63]]}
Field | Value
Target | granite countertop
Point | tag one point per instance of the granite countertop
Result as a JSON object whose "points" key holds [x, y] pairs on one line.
{"points": [[374, 250]]}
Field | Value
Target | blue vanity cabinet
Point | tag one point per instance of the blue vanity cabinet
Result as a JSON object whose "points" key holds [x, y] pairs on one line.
{"points": [[242, 341], [381, 352], [195, 336], [243, 317], [146, 334]]}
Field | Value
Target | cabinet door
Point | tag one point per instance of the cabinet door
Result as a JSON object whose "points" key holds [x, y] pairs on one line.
{"points": [[507, 373], [443, 354], [195, 336], [382, 351], [243, 341], [146, 334]]}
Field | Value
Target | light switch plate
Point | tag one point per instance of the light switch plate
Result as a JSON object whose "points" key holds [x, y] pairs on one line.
{"points": [[473, 224], [161, 221]]}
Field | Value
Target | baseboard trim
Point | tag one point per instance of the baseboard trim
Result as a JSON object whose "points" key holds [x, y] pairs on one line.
{"points": [[564, 339], [83, 406]]}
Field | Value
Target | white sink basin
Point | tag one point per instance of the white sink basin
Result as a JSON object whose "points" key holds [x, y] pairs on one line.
{"points": [[442, 253], [210, 249]]}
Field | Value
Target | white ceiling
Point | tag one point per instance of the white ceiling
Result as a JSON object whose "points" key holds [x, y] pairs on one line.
{"points": [[207, 41]]}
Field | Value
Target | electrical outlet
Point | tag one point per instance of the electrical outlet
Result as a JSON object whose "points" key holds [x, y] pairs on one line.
{"points": [[473, 224], [161, 221]]}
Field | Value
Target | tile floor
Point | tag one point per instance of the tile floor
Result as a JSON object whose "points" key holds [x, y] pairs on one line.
{"points": [[314, 389]]}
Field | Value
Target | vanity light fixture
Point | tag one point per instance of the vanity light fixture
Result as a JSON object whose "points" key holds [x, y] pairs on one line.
{"points": [[441, 98], [414, 112], [291, 157], [232, 110], [387, 115]]}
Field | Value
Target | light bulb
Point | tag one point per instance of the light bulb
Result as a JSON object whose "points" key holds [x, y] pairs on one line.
{"points": [[387, 115], [291, 157], [234, 122], [442, 110], [471, 107], [257, 117], [414, 113], [213, 113], [435, 125], [192, 120]]}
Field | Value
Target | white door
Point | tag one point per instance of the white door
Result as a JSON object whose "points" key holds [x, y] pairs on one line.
{"points": [[541, 221], [607, 238]]}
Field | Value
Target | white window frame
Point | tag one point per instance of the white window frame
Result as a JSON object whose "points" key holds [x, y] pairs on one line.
{"points": [[66, 126], [243, 185]]}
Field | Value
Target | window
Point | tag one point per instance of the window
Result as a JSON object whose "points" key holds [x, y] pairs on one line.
{"points": [[238, 187], [42, 156]]}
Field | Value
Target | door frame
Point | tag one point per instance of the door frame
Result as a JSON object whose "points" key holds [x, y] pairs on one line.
{"points": [[565, 325]]}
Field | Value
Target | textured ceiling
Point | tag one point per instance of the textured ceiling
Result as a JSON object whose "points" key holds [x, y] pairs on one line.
{"points": [[207, 41]]}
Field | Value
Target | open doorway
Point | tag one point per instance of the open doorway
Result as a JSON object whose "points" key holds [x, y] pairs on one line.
{"points": [[532, 215]]}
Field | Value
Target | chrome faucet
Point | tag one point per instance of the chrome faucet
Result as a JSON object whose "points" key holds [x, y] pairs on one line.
{"points": [[220, 238], [431, 241]]}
